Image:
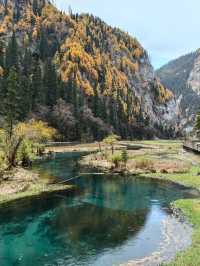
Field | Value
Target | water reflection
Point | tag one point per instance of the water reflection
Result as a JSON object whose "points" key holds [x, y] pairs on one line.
{"points": [[112, 220]]}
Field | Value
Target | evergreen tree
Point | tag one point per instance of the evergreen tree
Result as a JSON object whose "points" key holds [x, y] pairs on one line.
{"points": [[37, 86], [197, 121], [28, 63], [11, 57], [50, 84], [95, 104], [5, 7], [25, 101], [35, 7], [11, 110], [1, 53], [43, 45]]}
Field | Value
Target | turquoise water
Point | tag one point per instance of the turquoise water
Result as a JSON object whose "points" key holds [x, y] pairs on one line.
{"points": [[110, 221]]}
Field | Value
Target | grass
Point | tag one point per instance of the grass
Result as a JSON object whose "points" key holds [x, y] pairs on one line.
{"points": [[191, 257], [189, 178], [189, 207]]}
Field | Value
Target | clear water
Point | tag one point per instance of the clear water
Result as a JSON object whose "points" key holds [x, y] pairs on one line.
{"points": [[111, 221]]}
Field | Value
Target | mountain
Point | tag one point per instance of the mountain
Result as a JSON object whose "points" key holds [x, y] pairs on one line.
{"points": [[182, 76], [80, 75]]}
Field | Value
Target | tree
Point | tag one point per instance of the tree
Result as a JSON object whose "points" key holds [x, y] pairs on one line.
{"points": [[197, 121], [197, 124], [11, 56], [11, 111], [43, 45], [63, 119], [1, 54], [23, 135], [124, 156], [110, 140], [35, 7], [116, 160], [38, 96], [50, 84]]}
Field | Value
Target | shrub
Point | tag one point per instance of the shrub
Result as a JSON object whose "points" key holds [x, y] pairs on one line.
{"points": [[116, 160], [26, 153], [110, 140], [124, 156]]}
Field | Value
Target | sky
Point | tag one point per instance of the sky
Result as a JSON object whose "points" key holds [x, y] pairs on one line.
{"points": [[167, 29]]}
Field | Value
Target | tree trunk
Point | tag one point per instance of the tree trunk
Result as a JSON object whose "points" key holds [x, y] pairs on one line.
{"points": [[12, 156]]}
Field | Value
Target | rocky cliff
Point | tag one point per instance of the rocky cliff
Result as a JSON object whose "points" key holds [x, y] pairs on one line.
{"points": [[182, 76]]}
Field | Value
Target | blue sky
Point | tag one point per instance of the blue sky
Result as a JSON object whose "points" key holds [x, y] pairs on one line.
{"points": [[167, 29]]}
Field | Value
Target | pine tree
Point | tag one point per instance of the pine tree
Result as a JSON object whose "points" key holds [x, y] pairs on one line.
{"points": [[50, 84], [197, 121], [35, 7], [11, 110], [11, 57], [124, 156], [38, 94], [28, 63], [43, 45], [95, 103], [1, 54]]}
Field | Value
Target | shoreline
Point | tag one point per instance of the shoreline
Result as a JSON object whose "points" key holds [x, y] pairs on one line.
{"points": [[22, 184], [188, 208]]}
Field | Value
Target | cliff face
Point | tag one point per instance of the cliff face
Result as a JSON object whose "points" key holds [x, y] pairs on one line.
{"points": [[193, 81], [182, 76], [108, 71]]}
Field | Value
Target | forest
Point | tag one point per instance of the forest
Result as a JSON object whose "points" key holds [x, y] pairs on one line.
{"points": [[77, 74]]}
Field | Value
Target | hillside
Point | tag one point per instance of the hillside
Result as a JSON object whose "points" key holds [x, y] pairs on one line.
{"points": [[182, 77], [80, 75]]}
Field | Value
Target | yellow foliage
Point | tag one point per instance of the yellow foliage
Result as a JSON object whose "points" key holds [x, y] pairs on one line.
{"points": [[138, 52], [163, 93], [76, 54], [87, 88], [134, 67], [35, 130]]}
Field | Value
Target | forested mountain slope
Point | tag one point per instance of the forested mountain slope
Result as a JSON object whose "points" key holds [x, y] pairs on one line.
{"points": [[182, 76], [84, 77]]}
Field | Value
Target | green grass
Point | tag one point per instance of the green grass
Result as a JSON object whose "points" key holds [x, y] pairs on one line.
{"points": [[189, 179], [191, 257], [189, 207]]}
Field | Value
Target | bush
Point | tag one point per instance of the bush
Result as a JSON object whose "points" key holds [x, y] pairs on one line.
{"points": [[124, 156], [26, 153], [116, 160]]}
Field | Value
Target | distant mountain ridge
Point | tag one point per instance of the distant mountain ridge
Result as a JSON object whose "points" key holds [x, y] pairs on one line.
{"points": [[182, 76], [82, 76]]}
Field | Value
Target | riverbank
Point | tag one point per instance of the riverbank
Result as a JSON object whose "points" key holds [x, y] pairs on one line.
{"points": [[21, 183], [163, 160], [167, 161]]}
